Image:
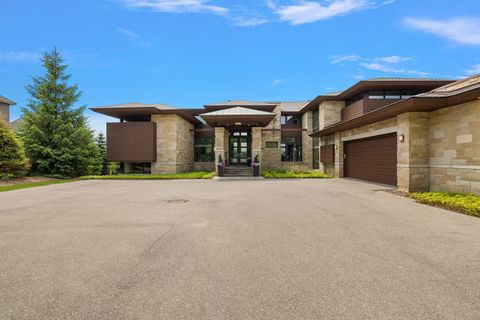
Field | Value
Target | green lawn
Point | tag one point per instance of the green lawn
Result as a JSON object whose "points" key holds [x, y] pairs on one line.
{"points": [[280, 174], [173, 176], [32, 184], [461, 202]]}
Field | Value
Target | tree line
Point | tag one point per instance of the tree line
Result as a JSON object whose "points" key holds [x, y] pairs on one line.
{"points": [[54, 138]]}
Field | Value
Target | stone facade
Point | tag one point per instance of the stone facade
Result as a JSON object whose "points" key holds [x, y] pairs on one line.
{"points": [[5, 112], [174, 144], [221, 144], [454, 135]]}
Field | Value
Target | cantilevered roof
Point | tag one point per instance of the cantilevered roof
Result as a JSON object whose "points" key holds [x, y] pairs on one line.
{"points": [[446, 96], [379, 84], [240, 103], [138, 108], [293, 106], [238, 116], [7, 101]]}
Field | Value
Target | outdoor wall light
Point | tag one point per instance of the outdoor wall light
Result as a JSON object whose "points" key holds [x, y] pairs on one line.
{"points": [[336, 147], [401, 138]]}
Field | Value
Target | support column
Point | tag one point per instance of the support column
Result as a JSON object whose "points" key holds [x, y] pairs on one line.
{"points": [[413, 167], [338, 155], [257, 143], [221, 145]]}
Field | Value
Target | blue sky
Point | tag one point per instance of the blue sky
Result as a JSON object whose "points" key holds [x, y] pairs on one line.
{"points": [[188, 53]]}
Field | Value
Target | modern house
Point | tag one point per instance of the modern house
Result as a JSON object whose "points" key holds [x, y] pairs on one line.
{"points": [[5, 108], [417, 134]]}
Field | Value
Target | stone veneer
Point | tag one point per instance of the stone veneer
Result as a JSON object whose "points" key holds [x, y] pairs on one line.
{"points": [[5, 112], [174, 144], [454, 135]]}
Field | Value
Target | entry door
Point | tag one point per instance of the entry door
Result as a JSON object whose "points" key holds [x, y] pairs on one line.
{"points": [[239, 148]]}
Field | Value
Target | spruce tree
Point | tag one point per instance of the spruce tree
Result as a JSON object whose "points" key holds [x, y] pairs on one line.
{"points": [[56, 136], [102, 147], [12, 154]]}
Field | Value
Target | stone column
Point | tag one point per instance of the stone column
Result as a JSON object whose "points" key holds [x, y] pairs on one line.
{"points": [[338, 155], [307, 141], [221, 141], [413, 167], [257, 143]]}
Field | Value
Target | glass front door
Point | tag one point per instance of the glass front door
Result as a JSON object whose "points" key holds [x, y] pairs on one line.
{"points": [[240, 153]]}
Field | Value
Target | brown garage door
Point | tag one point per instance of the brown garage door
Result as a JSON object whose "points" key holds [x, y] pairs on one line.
{"points": [[372, 159]]}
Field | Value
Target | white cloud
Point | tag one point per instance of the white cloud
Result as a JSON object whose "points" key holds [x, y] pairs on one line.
{"points": [[20, 56], [349, 58], [249, 22], [474, 70], [462, 30], [393, 59], [134, 38], [310, 11], [389, 68], [178, 6], [277, 82]]}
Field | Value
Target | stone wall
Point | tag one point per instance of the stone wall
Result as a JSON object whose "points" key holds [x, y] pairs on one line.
{"points": [[175, 140], [221, 145], [204, 166], [455, 148], [5, 112], [307, 141], [330, 112]]}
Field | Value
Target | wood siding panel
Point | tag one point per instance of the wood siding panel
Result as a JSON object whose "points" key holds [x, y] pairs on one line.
{"points": [[132, 142], [327, 154], [372, 159], [363, 106]]}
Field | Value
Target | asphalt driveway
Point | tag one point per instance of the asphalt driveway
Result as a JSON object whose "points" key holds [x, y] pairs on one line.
{"points": [[298, 249]]}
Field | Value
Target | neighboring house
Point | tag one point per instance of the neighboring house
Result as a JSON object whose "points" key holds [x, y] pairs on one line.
{"points": [[5, 108], [417, 134]]}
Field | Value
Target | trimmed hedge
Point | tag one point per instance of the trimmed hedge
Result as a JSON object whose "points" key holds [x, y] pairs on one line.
{"points": [[280, 174], [462, 202]]}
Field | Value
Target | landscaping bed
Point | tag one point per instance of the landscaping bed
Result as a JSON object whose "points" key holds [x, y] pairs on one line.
{"points": [[281, 174], [461, 202]]}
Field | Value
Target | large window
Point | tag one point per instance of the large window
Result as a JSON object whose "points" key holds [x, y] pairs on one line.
{"points": [[315, 120], [316, 153], [204, 149], [140, 167], [391, 94], [291, 120], [291, 148]]}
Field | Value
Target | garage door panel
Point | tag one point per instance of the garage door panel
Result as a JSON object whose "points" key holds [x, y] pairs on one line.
{"points": [[373, 159]]}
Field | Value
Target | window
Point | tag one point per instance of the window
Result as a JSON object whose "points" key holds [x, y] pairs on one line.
{"points": [[204, 149], [354, 99], [271, 144], [315, 120], [291, 148], [291, 120], [316, 153], [392, 94], [376, 95], [140, 167]]}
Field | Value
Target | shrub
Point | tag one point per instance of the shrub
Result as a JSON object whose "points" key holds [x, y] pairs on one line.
{"points": [[13, 160], [461, 202], [283, 174]]}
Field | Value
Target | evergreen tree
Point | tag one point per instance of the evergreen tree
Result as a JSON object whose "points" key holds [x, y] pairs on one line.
{"points": [[102, 147], [56, 136], [12, 153]]}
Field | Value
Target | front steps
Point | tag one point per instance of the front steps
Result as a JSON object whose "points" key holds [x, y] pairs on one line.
{"points": [[237, 171]]}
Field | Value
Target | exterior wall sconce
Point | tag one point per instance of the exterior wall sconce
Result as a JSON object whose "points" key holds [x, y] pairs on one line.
{"points": [[336, 147], [401, 138]]}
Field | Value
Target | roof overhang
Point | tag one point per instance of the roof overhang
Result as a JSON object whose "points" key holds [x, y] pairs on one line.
{"points": [[142, 111], [413, 104], [238, 120]]}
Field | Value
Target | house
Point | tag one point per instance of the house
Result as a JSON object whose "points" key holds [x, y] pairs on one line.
{"points": [[417, 134], [5, 108]]}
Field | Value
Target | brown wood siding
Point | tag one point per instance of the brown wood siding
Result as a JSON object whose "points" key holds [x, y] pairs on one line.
{"points": [[327, 154], [132, 142], [372, 159], [363, 106]]}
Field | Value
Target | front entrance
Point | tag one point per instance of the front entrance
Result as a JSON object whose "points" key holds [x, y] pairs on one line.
{"points": [[240, 150]]}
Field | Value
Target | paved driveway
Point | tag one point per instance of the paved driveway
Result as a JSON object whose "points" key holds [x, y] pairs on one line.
{"points": [[302, 249]]}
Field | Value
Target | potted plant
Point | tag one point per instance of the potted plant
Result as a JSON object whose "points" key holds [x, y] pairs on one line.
{"points": [[256, 166], [220, 165]]}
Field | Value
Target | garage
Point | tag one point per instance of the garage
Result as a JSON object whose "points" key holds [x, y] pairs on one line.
{"points": [[372, 159]]}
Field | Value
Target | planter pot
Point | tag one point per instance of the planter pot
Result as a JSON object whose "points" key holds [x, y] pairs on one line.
{"points": [[220, 170], [256, 171]]}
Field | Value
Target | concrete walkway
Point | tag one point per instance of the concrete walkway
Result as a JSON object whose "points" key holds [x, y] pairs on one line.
{"points": [[290, 249]]}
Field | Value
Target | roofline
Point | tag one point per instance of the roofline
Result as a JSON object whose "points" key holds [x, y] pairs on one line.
{"points": [[412, 104], [372, 84], [7, 101]]}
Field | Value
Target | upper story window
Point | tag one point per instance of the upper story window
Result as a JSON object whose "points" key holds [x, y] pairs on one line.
{"points": [[137, 118], [315, 120], [354, 99], [291, 120], [391, 94]]}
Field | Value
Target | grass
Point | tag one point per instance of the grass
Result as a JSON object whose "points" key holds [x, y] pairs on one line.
{"points": [[32, 184], [173, 176], [461, 202], [282, 174]]}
